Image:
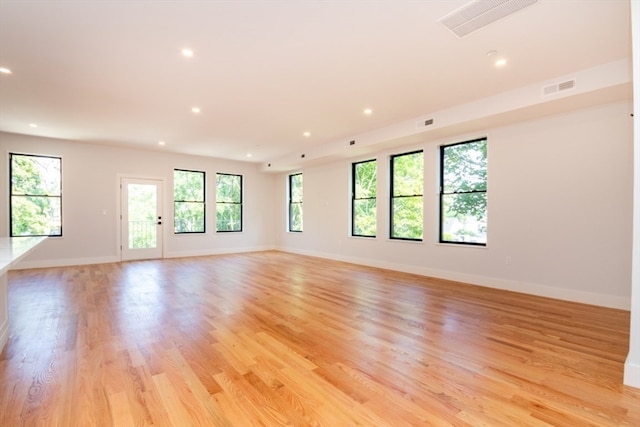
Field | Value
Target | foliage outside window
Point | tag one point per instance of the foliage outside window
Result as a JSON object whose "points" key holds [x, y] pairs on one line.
{"points": [[407, 182], [188, 201], [363, 198], [463, 193], [295, 202], [228, 202], [36, 195]]}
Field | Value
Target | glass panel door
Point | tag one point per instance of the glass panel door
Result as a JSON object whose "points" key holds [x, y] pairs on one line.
{"points": [[141, 219]]}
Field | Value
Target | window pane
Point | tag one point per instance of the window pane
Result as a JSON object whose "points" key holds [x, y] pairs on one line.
{"points": [[465, 167], [295, 217], [188, 186], [407, 218], [464, 218], [296, 188], [408, 171], [35, 175], [228, 217], [365, 180], [36, 216], [228, 188], [364, 217], [141, 201], [189, 217]]}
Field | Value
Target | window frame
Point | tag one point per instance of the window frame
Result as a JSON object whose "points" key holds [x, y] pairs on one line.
{"points": [[442, 194], [239, 203], [291, 203], [204, 201], [392, 197], [12, 195], [354, 198]]}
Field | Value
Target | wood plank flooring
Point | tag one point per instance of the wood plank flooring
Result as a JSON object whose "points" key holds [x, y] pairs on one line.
{"points": [[275, 339]]}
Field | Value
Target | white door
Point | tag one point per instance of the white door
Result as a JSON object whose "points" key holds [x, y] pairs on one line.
{"points": [[141, 218]]}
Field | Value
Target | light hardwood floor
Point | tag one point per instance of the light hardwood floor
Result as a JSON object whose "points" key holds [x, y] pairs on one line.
{"points": [[277, 339]]}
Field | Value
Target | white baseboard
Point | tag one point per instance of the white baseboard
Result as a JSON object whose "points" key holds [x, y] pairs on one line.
{"points": [[4, 334], [23, 265], [219, 251], [572, 295], [632, 373]]}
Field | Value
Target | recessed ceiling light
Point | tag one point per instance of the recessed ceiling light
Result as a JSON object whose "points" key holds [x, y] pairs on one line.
{"points": [[4, 70], [307, 134], [161, 143], [500, 62], [195, 110], [368, 111], [33, 125], [249, 155], [187, 52]]}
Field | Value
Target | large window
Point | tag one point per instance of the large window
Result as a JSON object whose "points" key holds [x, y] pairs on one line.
{"points": [[228, 202], [407, 182], [363, 198], [463, 193], [36, 195], [188, 201], [295, 202]]}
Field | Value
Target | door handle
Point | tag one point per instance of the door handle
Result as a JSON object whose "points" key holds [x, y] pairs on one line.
{"points": [[159, 222]]}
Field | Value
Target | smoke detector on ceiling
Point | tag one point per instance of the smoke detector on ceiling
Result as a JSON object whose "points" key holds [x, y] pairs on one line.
{"points": [[480, 13]]}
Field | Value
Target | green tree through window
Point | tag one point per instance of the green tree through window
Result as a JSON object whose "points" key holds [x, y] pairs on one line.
{"points": [[36, 195], [363, 198], [228, 202], [407, 177], [188, 201], [463, 192], [295, 202]]}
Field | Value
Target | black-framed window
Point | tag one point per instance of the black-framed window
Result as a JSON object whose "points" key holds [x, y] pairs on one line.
{"points": [[189, 205], [228, 202], [295, 202], [406, 207], [463, 193], [35, 203], [364, 198]]}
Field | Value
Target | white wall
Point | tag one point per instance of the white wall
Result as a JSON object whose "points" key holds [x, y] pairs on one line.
{"points": [[559, 205], [90, 186]]}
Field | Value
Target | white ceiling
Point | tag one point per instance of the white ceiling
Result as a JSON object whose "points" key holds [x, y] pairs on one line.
{"points": [[264, 72]]}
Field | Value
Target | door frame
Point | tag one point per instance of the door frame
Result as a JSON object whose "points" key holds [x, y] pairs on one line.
{"points": [[119, 215]]}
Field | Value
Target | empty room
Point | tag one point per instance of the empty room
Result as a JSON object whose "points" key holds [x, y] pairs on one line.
{"points": [[320, 213]]}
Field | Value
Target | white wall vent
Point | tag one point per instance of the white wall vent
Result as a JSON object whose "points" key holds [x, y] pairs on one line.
{"points": [[480, 13], [558, 87]]}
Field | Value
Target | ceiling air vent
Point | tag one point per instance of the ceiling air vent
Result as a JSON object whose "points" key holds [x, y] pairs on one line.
{"points": [[480, 13], [558, 87]]}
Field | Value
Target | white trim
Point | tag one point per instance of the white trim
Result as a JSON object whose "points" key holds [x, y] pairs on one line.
{"points": [[631, 373], [222, 251], [4, 328], [632, 366], [603, 300], [64, 262]]}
